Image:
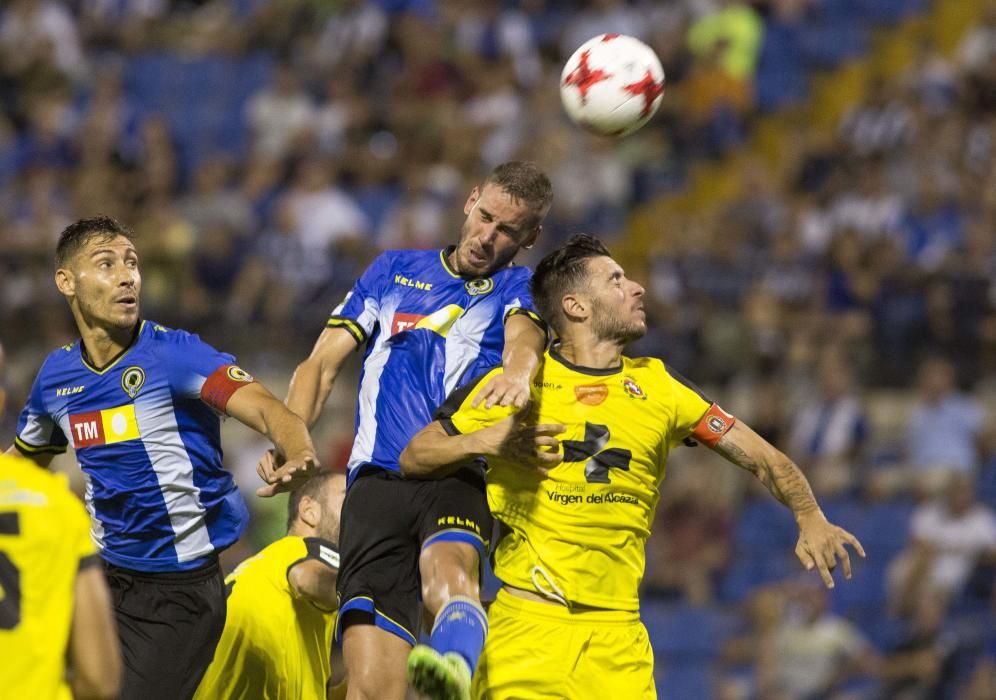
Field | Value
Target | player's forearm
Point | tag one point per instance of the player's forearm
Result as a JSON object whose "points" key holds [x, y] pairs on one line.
{"points": [[432, 453], [287, 432], [779, 474], [524, 344], [309, 389]]}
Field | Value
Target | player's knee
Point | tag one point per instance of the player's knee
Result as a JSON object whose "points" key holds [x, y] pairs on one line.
{"points": [[448, 569]]}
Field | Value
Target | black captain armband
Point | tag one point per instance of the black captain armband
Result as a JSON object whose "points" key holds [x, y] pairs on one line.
{"points": [[711, 427], [322, 550]]}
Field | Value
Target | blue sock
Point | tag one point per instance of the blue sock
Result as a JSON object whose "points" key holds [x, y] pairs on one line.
{"points": [[461, 626]]}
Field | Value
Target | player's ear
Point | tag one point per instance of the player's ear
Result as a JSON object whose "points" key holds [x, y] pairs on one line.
{"points": [[310, 511], [574, 307], [65, 281], [475, 194]]}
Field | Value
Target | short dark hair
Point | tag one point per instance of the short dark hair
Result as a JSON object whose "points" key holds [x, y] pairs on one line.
{"points": [[562, 271], [76, 235], [524, 181], [313, 488]]}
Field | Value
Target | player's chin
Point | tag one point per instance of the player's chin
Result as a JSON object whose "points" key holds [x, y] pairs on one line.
{"points": [[125, 318], [636, 331]]}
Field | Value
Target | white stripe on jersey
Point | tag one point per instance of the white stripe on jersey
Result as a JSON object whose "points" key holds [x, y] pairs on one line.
{"points": [[96, 527], [366, 401], [175, 474], [463, 343]]}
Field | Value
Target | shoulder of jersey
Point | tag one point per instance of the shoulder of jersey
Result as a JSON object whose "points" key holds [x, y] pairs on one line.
{"points": [[172, 336], [512, 272], [648, 364], [649, 372]]}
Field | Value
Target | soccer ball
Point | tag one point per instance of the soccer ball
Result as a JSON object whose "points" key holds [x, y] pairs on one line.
{"points": [[612, 84]]}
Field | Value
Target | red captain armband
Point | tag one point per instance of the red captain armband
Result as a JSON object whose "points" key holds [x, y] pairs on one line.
{"points": [[221, 384], [714, 424]]}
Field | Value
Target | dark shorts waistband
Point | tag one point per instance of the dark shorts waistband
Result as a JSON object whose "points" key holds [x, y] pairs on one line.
{"points": [[201, 573], [472, 475]]}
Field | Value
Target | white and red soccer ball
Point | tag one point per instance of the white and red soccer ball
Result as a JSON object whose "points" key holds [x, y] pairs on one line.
{"points": [[612, 84]]}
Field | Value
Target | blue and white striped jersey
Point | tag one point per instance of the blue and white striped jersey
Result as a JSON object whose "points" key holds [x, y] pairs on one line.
{"points": [[428, 332], [146, 431]]}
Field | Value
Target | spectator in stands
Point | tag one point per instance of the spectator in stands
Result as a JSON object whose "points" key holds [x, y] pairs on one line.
{"points": [[944, 426], [829, 429], [279, 114], [816, 651], [949, 537], [978, 46], [921, 665], [37, 36], [325, 215], [738, 29], [881, 124], [214, 202]]}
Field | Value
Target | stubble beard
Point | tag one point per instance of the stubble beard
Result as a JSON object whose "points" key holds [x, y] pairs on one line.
{"points": [[609, 327]]}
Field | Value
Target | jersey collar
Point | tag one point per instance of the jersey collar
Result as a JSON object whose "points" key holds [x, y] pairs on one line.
{"points": [[444, 258], [595, 372], [139, 327]]}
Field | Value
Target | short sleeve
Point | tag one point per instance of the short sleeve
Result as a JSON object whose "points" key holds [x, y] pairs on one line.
{"points": [[198, 371], [518, 299], [358, 311], [690, 404], [459, 416], [37, 431]]}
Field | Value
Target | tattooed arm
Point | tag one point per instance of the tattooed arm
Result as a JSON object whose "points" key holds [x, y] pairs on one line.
{"points": [[821, 543]]}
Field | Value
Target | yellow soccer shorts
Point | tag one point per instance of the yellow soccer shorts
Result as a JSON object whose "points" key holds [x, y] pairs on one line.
{"points": [[539, 650]]}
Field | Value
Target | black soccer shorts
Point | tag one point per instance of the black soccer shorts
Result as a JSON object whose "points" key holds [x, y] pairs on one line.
{"points": [[386, 522], [169, 625]]}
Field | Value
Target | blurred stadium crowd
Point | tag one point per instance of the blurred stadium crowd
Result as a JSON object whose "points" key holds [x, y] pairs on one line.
{"points": [[843, 303]]}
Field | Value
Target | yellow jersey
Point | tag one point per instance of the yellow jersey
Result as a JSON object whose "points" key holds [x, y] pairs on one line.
{"points": [[579, 533], [44, 542], [274, 645]]}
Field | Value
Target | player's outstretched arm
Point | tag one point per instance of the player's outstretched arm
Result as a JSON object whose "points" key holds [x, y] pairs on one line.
{"points": [[521, 358], [254, 406], [94, 654], [311, 385], [434, 453], [313, 379], [821, 543]]}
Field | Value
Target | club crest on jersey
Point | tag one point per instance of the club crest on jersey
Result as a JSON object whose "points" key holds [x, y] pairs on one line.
{"points": [[633, 389], [132, 380], [237, 374], [479, 286]]}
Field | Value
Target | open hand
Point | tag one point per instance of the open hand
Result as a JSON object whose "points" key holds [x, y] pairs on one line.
{"points": [[821, 544]]}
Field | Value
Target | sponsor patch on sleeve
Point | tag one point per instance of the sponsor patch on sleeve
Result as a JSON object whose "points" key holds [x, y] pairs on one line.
{"points": [[714, 424], [223, 382]]}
